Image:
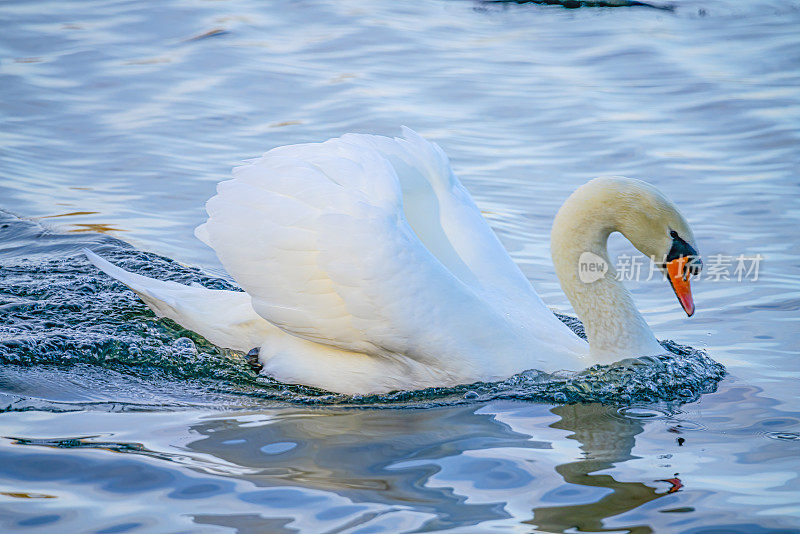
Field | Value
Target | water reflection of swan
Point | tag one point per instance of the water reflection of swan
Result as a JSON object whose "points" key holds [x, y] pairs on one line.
{"points": [[368, 268], [386, 456], [322, 470], [606, 441], [456, 463]]}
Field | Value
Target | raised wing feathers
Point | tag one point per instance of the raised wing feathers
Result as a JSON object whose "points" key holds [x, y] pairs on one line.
{"points": [[319, 236]]}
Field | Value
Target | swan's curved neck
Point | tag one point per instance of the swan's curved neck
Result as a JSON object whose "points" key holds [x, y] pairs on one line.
{"points": [[614, 327]]}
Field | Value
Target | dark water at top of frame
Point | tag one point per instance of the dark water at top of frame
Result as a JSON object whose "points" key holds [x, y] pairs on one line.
{"points": [[116, 121]]}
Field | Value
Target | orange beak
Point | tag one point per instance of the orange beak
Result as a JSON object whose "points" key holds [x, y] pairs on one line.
{"points": [[679, 278]]}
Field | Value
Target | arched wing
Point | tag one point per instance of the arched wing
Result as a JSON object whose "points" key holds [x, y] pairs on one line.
{"points": [[319, 236]]}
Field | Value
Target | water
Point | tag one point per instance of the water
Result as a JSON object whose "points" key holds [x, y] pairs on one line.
{"points": [[119, 118]]}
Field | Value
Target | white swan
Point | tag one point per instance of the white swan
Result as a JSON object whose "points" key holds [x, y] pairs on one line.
{"points": [[368, 268]]}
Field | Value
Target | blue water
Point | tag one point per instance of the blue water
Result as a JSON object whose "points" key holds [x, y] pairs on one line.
{"points": [[118, 118]]}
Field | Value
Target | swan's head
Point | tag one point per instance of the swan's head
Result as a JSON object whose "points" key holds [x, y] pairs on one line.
{"points": [[653, 224]]}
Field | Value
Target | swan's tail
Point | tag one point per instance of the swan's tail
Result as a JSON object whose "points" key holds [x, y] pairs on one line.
{"points": [[225, 318]]}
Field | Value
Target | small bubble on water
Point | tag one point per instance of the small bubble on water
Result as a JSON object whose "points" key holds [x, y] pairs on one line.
{"points": [[278, 448], [688, 426], [471, 395], [784, 436], [641, 412]]}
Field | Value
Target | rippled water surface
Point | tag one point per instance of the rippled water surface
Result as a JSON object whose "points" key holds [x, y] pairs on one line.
{"points": [[118, 118]]}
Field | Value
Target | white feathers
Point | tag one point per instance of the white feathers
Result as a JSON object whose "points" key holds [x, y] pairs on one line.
{"points": [[372, 260], [225, 318]]}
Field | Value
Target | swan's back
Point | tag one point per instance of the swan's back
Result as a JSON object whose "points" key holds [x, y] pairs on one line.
{"points": [[371, 245]]}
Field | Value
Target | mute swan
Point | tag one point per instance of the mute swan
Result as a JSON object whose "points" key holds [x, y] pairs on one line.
{"points": [[367, 268]]}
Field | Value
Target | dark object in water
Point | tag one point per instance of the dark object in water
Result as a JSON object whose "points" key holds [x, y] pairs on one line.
{"points": [[574, 4]]}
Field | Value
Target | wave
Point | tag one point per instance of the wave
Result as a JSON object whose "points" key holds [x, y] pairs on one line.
{"points": [[60, 317]]}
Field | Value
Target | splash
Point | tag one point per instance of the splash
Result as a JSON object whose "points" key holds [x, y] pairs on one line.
{"points": [[60, 316]]}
